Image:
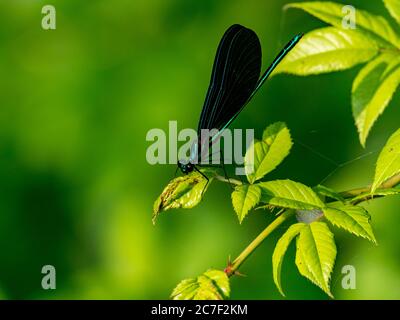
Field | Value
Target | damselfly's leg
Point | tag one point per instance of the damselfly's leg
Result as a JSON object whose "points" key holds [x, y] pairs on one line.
{"points": [[223, 168], [205, 177]]}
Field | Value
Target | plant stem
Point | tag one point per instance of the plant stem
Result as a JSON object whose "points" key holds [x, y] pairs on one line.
{"points": [[391, 183], [231, 181], [233, 267]]}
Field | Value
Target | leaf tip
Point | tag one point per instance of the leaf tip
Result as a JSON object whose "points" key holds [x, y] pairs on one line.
{"points": [[288, 6], [363, 139], [281, 292]]}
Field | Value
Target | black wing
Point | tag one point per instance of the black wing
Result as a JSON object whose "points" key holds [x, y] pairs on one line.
{"points": [[234, 77]]}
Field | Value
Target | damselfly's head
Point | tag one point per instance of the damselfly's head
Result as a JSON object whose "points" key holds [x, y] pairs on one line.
{"points": [[185, 167]]}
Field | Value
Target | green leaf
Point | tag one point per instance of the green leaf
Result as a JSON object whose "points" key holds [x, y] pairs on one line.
{"points": [[302, 266], [327, 192], [327, 50], [393, 7], [388, 163], [280, 250], [220, 280], [372, 25], [211, 285], [373, 89], [245, 198], [264, 156], [185, 290], [316, 253], [182, 192], [289, 194], [353, 219]]}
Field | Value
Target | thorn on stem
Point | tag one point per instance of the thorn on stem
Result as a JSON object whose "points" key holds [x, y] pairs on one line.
{"points": [[239, 274]]}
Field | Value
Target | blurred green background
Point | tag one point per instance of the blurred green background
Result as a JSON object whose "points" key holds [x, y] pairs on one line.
{"points": [[76, 191]]}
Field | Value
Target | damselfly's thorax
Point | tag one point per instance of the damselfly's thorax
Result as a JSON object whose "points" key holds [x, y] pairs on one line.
{"points": [[187, 165], [201, 151]]}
